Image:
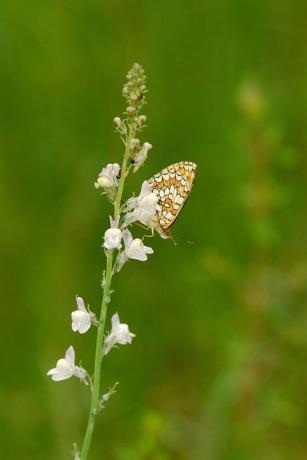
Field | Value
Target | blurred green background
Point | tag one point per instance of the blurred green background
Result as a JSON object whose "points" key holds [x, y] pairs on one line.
{"points": [[218, 367]]}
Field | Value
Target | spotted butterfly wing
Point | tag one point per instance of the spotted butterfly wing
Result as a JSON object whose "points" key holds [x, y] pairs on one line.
{"points": [[172, 186]]}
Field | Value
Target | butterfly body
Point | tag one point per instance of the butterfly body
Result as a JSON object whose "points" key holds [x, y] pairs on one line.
{"points": [[172, 186]]}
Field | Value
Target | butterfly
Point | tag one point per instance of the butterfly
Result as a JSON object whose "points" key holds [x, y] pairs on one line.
{"points": [[172, 186]]}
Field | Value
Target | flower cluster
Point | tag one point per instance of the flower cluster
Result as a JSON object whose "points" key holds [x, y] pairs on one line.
{"points": [[82, 319], [118, 237], [119, 246], [142, 209]]}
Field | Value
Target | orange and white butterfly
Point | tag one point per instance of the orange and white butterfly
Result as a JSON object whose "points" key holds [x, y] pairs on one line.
{"points": [[172, 186]]}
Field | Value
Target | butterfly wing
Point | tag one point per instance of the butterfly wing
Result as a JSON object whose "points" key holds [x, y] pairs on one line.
{"points": [[173, 186]]}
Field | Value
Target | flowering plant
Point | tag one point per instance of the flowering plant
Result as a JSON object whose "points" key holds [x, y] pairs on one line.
{"points": [[119, 246]]}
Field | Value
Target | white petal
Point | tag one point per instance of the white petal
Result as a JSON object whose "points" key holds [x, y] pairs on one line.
{"points": [[145, 190], [123, 335], [112, 238], [127, 238], [148, 203], [70, 355], [132, 216], [80, 372], [147, 146], [146, 217], [148, 250], [109, 341], [103, 182], [136, 250], [115, 322], [63, 370], [80, 303], [81, 321], [57, 376]]}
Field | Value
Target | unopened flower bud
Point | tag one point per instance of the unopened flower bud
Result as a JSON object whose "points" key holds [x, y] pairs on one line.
{"points": [[134, 143], [130, 110], [141, 156], [141, 120], [117, 121], [120, 125]]}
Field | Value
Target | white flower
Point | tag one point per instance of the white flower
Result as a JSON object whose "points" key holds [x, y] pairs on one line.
{"points": [[144, 206], [65, 368], [141, 156], [113, 236], [119, 334], [81, 318], [108, 178], [134, 249]]}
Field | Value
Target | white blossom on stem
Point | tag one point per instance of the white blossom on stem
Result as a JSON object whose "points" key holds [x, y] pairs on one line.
{"points": [[113, 236], [141, 156], [81, 318], [108, 179], [134, 249], [119, 334], [65, 368], [120, 125], [143, 206]]}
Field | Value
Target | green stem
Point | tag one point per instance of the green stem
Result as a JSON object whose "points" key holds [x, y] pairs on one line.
{"points": [[104, 309], [123, 173]]}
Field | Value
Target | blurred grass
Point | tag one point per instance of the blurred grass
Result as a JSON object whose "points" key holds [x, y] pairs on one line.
{"points": [[218, 368]]}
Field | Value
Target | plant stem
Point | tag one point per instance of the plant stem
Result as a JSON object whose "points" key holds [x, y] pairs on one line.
{"points": [[123, 173], [104, 309], [98, 360]]}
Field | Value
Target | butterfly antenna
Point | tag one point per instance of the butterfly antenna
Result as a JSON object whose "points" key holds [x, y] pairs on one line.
{"points": [[173, 239]]}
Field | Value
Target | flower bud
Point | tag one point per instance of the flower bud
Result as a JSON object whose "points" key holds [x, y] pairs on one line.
{"points": [[118, 122], [130, 110], [112, 238], [141, 156], [141, 120]]}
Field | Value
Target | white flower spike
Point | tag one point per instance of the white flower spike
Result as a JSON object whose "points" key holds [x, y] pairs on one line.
{"points": [[141, 156], [144, 206], [113, 236], [81, 318], [65, 368], [119, 334]]}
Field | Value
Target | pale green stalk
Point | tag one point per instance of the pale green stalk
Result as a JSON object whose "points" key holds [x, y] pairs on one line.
{"points": [[96, 395]]}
